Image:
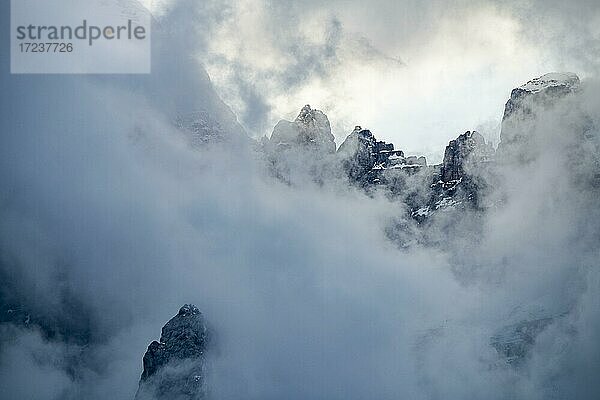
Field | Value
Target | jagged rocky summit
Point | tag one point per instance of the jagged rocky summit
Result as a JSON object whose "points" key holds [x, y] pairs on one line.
{"points": [[463, 173], [174, 367], [371, 163], [300, 149], [364, 158], [310, 130], [459, 182], [463, 154]]}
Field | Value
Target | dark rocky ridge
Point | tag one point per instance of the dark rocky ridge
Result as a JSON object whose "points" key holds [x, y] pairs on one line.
{"points": [[371, 163], [364, 157], [174, 367]]}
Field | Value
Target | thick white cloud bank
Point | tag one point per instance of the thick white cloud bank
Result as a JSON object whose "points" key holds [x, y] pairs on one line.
{"points": [[110, 221]]}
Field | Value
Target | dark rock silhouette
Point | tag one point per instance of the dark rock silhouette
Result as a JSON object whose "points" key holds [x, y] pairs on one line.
{"points": [[364, 157], [174, 367]]}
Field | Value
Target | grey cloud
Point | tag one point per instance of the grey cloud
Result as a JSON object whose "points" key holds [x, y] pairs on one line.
{"points": [[565, 31]]}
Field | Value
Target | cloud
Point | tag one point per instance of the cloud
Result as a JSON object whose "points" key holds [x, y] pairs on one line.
{"points": [[398, 68], [31, 366], [111, 221], [566, 33], [416, 73]]}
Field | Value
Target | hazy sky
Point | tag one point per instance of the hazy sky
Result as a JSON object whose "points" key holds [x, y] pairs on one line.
{"points": [[417, 73]]}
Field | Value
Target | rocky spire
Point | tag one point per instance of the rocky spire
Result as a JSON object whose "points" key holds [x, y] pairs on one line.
{"points": [[363, 156], [468, 149], [174, 367], [311, 129]]}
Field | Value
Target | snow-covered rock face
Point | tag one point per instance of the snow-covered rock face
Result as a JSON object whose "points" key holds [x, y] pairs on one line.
{"points": [[540, 92], [174, 368], [516, 144], [311, 129], [553, 79]]}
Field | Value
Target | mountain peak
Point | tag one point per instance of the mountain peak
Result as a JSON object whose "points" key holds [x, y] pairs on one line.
{"points": [[174, 367], [521, 109], [310, 128], [306, 114], [188, 309], [552, 79]]}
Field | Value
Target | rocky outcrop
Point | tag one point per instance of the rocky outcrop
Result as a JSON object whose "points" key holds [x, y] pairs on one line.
{"points": [[459, 182], [174, 367], [301, 150], [367, 160], [364, 157], [519, 120], [310, 130], [463, 174], [543, 90], [464, 154]]}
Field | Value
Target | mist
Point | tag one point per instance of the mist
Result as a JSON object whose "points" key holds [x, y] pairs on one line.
{"points": [[111, 218]]}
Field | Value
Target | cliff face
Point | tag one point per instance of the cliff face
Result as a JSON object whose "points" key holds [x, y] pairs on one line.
{"points": [[174, 367], [363, 157], [517, 143], [464, 154], [464, 173], [371, 163]]}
